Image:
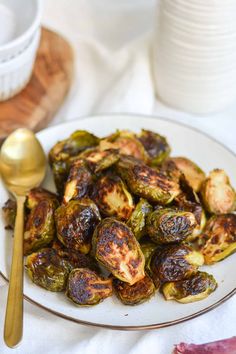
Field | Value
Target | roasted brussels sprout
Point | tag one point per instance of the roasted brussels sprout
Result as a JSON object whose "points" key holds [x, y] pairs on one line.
{"points": [[217, 193], [197, 287], [77, 142], [219, 238], [112, 197], [148, 247], [48, 270], [75, 258], [116, 247], [75, 223], [169, 168], [156, 146], [147, 182], [60, 155], [196, 208], [193, 173], [60, 170], [99, 160], [134, 294], [169, 225], [174, 263], [9, 214], [78, 182], [36, 195], [137, 220], [85, 287], [40, 227], [126, 143]]}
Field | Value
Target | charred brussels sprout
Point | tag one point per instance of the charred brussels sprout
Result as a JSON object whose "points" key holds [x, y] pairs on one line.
{"points": [[99, 160], [169, 225], [116, 247], [48, 270], [113, 198], [217, 193], [126, 143], [78, 182], [40, 227], [220, 238], [60, 170], [75, 258], [196, 208], [134, 294], [85, 287], [60, 155], [77, 142], [137, 220], [156, 146], [147, 182], [197, 287], [75, 223], [193, 174], [174, 263], [36, 195], [9, 214], [148, 249]]}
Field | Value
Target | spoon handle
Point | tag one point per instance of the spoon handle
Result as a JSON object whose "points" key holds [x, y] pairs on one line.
{"points": [[14, 312]]}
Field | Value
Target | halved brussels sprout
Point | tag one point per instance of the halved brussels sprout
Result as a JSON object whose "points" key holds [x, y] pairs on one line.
{"points": [[48, 270], [99, 160], [75, 258], [77, 142], [75, 223], [156, 146], [116, 247], [126, 143], [197, 287], [78, 182], [40, 227], [9, 214], [169, 225], [60, 171], [196, 208], [219, 238], [217, 193], [170, 169], [146, 181], [36, 195], [148, 248], [112, 197], [193, 173], [134, 294], [138, 218], [174, 263], [85, 287], [61, 153]]}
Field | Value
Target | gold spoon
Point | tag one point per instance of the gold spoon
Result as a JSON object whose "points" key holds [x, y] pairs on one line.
{"points": [[23, 166]]}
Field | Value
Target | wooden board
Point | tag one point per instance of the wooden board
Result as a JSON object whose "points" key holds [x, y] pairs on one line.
{"points": [[36, 105]]}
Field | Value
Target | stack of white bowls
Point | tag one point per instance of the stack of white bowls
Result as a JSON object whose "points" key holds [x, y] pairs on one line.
{"points": [[19, 40], [195, 54]]}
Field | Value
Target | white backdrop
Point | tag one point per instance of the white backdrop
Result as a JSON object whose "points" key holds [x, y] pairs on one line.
{"points": [[112, 42]]}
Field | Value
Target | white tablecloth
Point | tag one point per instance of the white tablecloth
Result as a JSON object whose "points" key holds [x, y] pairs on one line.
{"points": [[113, 74]]}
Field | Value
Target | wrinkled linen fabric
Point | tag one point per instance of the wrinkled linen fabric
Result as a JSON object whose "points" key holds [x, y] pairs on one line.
{"points": [[112, 42]]}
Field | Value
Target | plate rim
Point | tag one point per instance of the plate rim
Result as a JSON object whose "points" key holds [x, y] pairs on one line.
{"points": [[128, 327]]}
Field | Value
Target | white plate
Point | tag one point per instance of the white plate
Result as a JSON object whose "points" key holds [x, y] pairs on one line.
{"points": [[156, 312]]}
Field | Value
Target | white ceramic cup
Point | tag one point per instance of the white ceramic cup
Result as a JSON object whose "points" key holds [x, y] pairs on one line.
{"points": [[19, 22], [194, 54], [16, 73]]}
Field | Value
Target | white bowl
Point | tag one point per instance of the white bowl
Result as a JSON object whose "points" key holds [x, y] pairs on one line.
{"points": [[19, 22], [16, 73]]}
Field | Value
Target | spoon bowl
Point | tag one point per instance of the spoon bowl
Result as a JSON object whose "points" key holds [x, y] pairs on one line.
{"points": [[22, 166], [22, 162]]}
